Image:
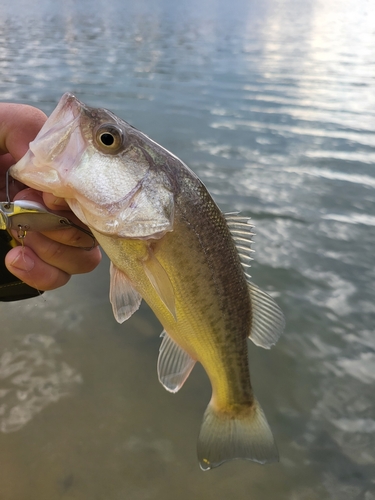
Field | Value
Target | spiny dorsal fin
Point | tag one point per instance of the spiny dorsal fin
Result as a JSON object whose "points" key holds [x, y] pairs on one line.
{"points": [[124, 298], [241, 231], [268, 321], [174, 364]]}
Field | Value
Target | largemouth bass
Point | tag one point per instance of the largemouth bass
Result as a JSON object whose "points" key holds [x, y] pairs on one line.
{"points": [[169, 244]]}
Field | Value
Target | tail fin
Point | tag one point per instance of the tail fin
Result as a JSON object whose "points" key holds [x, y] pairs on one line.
{"points": [[225, 437]]}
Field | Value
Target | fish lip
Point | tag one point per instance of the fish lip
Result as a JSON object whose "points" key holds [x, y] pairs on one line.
{"points": [[67, 118], [70, 100], [45, 148], [67, 102]]}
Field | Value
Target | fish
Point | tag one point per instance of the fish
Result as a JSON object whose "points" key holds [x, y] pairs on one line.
{"points": [[169, 244]]}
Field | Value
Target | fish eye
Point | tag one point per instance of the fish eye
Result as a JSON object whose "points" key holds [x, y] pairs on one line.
{"points": [[109, 138]]}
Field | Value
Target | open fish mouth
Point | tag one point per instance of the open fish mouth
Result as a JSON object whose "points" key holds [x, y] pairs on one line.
{"points": [[54, 146], [59, 129], [97, 163]]}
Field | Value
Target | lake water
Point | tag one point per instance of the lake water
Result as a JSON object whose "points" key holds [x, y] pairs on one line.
{"points": [[272, 104]]}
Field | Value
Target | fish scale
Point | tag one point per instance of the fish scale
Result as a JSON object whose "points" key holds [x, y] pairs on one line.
{"points": [[169, 244]]}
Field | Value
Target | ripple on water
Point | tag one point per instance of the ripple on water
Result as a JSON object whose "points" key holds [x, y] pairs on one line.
{"points": [[32, 375]]}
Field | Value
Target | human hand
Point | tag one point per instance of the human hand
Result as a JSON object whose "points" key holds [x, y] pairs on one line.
{"points": [[45, 260]]}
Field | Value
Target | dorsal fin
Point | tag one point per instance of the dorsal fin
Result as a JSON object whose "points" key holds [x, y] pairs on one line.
{"points": [[242, 234], [267, 318], [268, 321]]}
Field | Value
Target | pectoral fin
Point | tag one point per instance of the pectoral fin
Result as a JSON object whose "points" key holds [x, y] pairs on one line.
{"points": [[124, 298], [174, 364], [160, 281]]}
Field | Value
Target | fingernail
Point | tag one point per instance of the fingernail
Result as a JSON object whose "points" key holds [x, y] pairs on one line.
{"points": [[59, 202], [25, 194], [23, 262]]}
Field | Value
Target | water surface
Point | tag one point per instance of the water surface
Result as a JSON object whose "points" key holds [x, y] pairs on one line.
{"points": [[272, 105]]}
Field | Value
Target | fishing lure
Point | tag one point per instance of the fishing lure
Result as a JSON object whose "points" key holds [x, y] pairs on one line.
{"points": [[23, 216]]}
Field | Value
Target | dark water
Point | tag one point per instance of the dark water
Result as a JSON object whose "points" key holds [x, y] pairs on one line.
{"points": [[272, 103]]}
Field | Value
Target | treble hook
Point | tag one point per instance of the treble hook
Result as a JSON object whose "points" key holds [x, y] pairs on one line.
{"points": [[21, 232]]}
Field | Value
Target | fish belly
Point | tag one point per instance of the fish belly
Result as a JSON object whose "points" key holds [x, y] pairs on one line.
{"points": [[211, 323], [211, 299]]}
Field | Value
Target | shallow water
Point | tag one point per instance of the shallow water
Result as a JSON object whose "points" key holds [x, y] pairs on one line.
{"points": [[272, 104]]}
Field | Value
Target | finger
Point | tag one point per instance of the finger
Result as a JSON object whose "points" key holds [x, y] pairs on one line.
{"points": [[68, 236], [29, 194], [54, 203], [7, 161], [28, 267], [19, 124], [72, 237], [67, 258]]}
